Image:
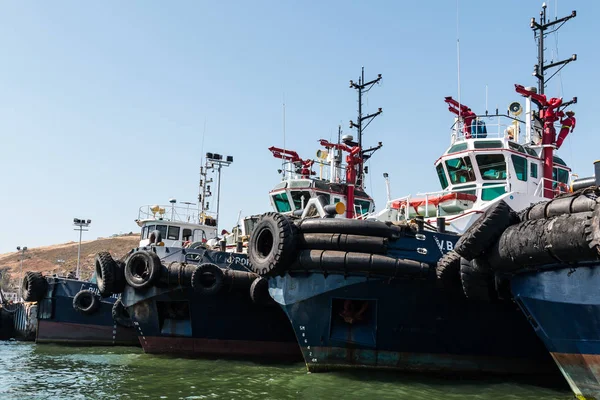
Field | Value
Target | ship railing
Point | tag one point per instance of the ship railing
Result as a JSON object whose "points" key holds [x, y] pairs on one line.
{"points": [[172, 213], [557, 188], [490, 127], [427, 198]]}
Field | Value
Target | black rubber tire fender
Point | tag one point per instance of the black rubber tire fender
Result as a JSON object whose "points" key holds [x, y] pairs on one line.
{"points": [[346, 226], [486, 230], [448, 270], [207, 279], [272, 245], [259, 292], [34, 286], [142, 269], [198, 245], [105, 267], [86, 302], [477, 280], [120, 314]]}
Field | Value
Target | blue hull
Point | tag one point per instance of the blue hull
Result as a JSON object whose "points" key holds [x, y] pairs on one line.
{"points": [[59, 322], [404, 324], [181, 321], [563, 306]]}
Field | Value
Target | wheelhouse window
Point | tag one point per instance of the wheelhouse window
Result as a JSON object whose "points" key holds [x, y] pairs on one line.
{"points": [[520, 164], [492, 167], [361, 206], [560, 175], [144, 232], [442, 176], [516, 146], [457, 147], [300, 198], [488, 144], [492, 191], [148, 228], [187, 234], [534, 169], [460, 170], [173, 233], [281, 202], [163, 230]]}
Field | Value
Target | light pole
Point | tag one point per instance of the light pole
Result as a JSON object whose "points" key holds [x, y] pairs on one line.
{"points": [[80, 224], [22, 250], [215, 161]]}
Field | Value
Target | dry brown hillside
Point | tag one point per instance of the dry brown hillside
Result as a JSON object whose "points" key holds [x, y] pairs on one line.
{"points": [[62, 258]]}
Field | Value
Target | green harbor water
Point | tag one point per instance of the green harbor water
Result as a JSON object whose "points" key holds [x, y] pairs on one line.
{"points": [[29, 371]]}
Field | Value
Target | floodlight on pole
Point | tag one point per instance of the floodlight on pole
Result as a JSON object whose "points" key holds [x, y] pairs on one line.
{"points": [[214, 161], [80, 223]]}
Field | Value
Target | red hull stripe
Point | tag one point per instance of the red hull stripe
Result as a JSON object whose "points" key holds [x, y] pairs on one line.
{"points": [[179, 345], [65, 332]]}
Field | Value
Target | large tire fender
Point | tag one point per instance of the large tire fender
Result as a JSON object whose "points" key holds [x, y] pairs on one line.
{"points": [[142, 269], [272, 244], [120, 314], [486, 230], [207, 279], [86, 302], [448, 270], [34, 286], [477, 280], [259, 292], [106, 270]]}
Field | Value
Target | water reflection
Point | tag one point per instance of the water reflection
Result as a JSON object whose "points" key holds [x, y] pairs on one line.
{"points": [[30, 371]]}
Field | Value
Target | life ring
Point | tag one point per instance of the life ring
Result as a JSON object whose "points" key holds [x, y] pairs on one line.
{"points": [[561, 188]]}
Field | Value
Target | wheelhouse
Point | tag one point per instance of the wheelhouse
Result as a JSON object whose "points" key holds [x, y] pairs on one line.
{"points": [[486, 169], [293, 195], [483, 166], [178, 227]]}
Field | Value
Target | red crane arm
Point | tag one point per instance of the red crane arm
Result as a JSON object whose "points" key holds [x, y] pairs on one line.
{"points": [[285, 154]]}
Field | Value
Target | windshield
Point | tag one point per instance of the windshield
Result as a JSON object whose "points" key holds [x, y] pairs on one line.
{"points": [[300, 198], [460, 170], [492, 166], [281, 202]]}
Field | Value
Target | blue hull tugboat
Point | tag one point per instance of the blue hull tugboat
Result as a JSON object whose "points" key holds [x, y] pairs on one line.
{"points": [[71, 311], [187, 299], [200, 302], [551, 252], [387, 289]]}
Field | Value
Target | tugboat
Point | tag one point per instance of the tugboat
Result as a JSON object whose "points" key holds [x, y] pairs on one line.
{"points": [[552, 251], [71, 311], [185, 298], [364, 293]]}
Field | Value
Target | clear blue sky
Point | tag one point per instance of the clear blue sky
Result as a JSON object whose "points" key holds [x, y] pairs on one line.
{"points": [[103, 104]]}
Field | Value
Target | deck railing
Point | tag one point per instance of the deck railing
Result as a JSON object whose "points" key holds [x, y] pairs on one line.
{"points": [[557, 188], [496, 127], [173, 213], [404, 207]]}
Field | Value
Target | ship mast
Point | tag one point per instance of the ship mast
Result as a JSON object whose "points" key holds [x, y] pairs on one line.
{"points": [[546, 109], [540, 30], [362, 87]]}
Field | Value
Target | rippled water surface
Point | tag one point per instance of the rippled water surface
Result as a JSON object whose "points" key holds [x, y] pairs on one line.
{"points": [[29, 371]]}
